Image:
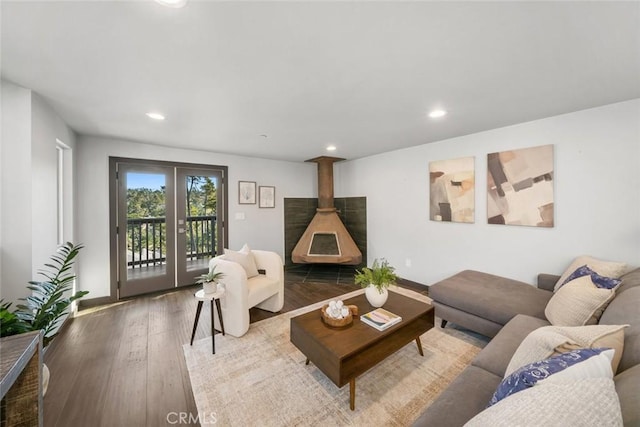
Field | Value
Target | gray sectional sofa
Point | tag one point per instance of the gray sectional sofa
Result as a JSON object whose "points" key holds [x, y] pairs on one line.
{"points": [[508, 310]]}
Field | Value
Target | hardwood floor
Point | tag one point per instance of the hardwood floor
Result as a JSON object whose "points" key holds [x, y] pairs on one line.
{"points": [[122, 364]]}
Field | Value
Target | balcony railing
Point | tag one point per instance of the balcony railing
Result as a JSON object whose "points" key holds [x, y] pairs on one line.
{"points": [[146, 240]]}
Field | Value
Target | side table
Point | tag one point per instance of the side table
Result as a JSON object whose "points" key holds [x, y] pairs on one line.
{"points": [[201, 296]]}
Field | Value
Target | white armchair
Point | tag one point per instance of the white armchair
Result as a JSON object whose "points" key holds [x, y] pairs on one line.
{"points": [[265, 291]]}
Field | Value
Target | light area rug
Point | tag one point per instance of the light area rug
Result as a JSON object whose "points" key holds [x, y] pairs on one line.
{"points": [[261, 378]]}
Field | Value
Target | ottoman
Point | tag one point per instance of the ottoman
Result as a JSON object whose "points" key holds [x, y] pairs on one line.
{"points": [[483, 302]]}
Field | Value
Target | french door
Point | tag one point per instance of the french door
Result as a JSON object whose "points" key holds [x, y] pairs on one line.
{"points": [[199, 228], [169, 222]]}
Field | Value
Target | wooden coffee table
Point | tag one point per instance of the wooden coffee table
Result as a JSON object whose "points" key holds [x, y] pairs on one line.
{"points": [[344, 354]]}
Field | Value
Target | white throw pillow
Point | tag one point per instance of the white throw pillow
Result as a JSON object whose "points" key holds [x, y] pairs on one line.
{"points": [[529, 375], [578, 303], [586, 402], [245, 258], [594, 367], [603, 268]]}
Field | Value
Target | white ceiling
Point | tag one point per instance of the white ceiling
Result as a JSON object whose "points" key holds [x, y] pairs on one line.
{"points": [[360, 75]]}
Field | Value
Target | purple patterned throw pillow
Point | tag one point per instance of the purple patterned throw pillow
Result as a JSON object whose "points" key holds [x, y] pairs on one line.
{"points": [[598, 280], [530, 374]]}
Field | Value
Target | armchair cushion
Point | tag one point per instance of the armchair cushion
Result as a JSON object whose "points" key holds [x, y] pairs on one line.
{"points": [[245, 258], [261, 287]]}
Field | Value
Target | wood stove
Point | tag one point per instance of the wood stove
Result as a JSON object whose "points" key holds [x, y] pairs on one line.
{"points": [[326, 239]]}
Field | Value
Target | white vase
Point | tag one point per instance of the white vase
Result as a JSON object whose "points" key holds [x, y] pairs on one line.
{"points": [[210, 287], [376, 298]]}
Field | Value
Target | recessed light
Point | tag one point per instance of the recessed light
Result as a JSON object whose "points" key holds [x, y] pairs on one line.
{"points": [[172, 3], [155, 116], [331, 148], [437, 114]]}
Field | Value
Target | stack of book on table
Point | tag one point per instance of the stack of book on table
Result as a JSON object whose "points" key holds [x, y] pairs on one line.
{"points": [[380, 319]]}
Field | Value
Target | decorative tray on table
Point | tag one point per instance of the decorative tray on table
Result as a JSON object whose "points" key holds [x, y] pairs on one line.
{"points": [[344, 321]]}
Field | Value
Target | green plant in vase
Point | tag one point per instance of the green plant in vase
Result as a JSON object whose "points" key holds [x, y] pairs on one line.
{"points": [[48, 303], [376, 280], [210, 280], [10, 323]]}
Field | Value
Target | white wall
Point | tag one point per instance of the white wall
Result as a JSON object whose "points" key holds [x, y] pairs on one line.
{"points": [[597, 199], [47, 127], [16, 242], [30, 129], [261, 228]]}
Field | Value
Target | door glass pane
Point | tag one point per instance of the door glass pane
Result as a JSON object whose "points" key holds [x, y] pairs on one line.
{"points": [[146, 225], [200, 227]]}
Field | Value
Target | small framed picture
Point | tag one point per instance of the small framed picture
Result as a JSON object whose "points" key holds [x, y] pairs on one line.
{"points": [[267, 197], [247, 192]]}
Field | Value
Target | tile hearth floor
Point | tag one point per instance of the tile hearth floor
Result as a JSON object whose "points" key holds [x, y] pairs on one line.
{"points": [[320, 273]]}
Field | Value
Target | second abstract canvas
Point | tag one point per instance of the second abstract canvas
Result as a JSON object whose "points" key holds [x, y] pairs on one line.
{"points": [[520, 187]]}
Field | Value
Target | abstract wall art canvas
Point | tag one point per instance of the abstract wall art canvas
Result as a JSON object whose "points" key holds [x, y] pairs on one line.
{"points": [[452, 190], [520, 187]]}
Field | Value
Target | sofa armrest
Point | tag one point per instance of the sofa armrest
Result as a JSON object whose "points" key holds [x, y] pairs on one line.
{"points": [[547, 281]]}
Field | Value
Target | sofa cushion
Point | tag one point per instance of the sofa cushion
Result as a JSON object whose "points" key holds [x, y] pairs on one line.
{"points": [[491, 297], [496, 355], [549, 340], [467, 395], [602, 267], [598, 280], [628, 388], [587, 402], [578, 303], [614, 341], [625, 309], [576, 364]]}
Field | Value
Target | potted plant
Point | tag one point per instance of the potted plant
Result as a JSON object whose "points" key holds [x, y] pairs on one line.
{"points": [[376, 280], [210, 280], [48, 303], [10, 323]]}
